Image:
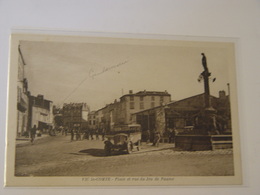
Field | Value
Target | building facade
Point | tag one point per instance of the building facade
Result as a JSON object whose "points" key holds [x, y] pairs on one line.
{"points": [[92, 120], [75, 115], [22, 97], [57, 117], [40, 113], [135, 102], [184, 114], [120, 112]]}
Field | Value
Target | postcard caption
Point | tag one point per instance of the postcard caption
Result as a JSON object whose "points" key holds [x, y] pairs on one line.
{"points": [[126, 179]]}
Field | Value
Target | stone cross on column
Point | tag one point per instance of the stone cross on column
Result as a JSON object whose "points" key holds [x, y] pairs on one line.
{"points": [[206, 74]]}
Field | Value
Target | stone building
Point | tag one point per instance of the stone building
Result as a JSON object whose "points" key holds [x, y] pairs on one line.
{"points": [[135, 102], [120, 112], [40, 113], [57, 117], [92, 120], [184, 114], [75, 115], [22, 97], [107, 116]]}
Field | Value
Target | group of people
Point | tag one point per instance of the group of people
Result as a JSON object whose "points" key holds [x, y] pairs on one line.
{"points": [[80, 134], [89, 134], [152, 136], [155, 136]]}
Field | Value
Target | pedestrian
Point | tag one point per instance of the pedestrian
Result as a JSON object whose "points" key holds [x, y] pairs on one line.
{"points": [[62, 130], [148, 135], [87, 134], [97, 134], [171, 136], [91, 134], [77, 134], [66, 131], [72, 134], [157, 138], [103, 134], [32, 133]]}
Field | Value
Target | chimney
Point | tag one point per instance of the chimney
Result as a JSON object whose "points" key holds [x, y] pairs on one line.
{"points": [[130, 91]]}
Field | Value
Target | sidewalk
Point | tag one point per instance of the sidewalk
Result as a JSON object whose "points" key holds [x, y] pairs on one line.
{"points": [[27, 140]]}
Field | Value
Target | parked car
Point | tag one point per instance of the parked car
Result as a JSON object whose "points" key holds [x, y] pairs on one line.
{"points": [[123, 138]]}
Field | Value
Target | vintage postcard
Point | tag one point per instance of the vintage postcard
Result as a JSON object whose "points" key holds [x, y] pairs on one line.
{"points": [[121, 111]]}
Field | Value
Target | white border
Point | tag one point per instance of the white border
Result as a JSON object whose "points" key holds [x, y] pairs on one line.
{"points": [[197, 18]]}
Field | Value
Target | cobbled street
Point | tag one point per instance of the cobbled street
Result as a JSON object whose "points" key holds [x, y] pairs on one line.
{"points": [[58, 156]]}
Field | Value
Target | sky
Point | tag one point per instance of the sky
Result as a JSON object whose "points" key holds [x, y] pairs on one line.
{"points": [[100, 72]]}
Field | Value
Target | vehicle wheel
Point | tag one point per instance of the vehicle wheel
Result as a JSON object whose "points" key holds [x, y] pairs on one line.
{"points": [[129, 148], [107, 150], [139, 145]]}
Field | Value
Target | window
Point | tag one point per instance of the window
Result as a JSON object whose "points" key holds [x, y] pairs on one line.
{"points": [[141, 98], [141, 105], [152, 104], [132, 105], [161, 98], [131, 98], [152, 98]]}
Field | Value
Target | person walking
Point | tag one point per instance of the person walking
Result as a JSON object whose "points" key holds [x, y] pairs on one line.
{"points": [[97, 134], [103, 134], [87, 134], [157, 138], [72, 134], [66, 131], [91, 134], [148, 135], [171, 135], [33, 133], [77, 134]]}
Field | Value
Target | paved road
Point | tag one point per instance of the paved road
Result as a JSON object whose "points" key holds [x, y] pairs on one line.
{"points": [[57, 156]]}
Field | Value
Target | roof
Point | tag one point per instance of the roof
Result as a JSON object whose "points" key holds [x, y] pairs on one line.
{"points": [[37, 98], [73, 105], [175, 102], [171, 103], [148, 93], [154, 108]]}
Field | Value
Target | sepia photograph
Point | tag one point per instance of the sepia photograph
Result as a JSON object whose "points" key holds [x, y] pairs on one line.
{"points": [[119, 111]]}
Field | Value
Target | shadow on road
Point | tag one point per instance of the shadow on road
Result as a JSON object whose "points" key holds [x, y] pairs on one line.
{"points": [[99, 152], [94, 152]]}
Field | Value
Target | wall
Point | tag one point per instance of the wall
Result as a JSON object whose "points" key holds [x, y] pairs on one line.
{"points": [[147, 100], [41, 115]]}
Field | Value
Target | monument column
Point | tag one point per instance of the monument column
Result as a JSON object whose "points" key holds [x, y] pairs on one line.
{"points": [[209, 115]]}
